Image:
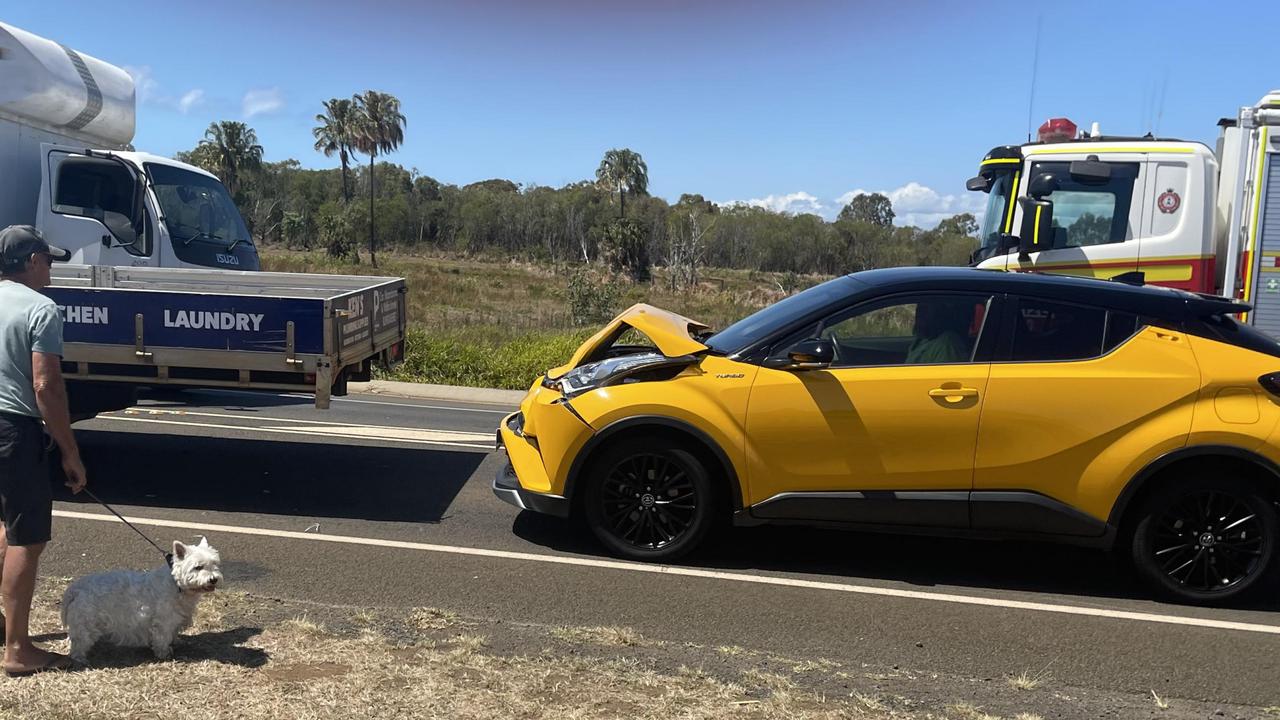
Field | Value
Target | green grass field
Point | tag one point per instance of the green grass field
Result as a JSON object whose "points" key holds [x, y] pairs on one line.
{"points": [[501, 324]]}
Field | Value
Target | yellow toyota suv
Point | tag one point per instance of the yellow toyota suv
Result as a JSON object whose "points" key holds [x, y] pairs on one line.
{"points": [[926, 400]]}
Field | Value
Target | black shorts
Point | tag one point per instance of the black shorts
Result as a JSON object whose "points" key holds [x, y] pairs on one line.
{"points": [[26, 491]]}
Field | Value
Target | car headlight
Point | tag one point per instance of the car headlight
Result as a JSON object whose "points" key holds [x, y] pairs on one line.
{"points": [[614, 370]]}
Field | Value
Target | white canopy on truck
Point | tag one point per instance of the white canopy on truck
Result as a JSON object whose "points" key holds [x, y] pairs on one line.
{"points": [[52, 87]]}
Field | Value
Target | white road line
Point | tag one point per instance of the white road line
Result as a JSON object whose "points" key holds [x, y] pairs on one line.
{"points": [[695, 573], [364, 402], [356, 428], [311, 432], [428, 407]]}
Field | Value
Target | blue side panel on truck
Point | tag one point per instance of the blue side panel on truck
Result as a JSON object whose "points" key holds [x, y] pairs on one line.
{"points": [[142, 327], [189, 320]]}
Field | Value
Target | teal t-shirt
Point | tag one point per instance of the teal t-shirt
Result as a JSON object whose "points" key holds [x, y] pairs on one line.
{"points": [[29, 322]]}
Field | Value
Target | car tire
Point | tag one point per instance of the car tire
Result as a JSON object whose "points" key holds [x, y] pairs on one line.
{"points": [[649, 500], [1206, 541]]}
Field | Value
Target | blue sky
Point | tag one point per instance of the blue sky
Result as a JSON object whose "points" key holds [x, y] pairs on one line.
{"points": [[789, 104]]}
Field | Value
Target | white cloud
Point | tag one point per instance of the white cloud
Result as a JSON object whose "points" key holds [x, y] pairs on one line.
{"points": [[913, 204], [144, 81], [261, 102], [150, 92], [795, 203], [190, 100], [924, 207]]}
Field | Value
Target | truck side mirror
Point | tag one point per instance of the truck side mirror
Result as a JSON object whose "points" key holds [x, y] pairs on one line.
{"points": [[120, 227], [1041, 186], [979, 183], [1037, 227], [1090, 172]]}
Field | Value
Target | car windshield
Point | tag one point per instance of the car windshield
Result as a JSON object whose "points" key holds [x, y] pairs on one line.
{"points": [[196, 207], [756, 327]]}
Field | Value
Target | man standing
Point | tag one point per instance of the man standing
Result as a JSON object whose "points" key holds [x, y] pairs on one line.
{"points": [[31, 388]]}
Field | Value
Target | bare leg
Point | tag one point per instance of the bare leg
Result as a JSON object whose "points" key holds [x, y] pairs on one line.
{"points": [[18, 585], [4, 545]]}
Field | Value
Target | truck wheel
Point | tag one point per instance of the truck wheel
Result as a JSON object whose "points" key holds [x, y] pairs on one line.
{"points": [[648, 500], [1206, 541]]}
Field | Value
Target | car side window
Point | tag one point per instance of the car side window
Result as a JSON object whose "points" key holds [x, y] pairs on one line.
{"points": [[917, 330], [1048, 331]]}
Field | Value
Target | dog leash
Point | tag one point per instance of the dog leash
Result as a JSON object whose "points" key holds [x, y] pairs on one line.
{"points": [[168, 557]]}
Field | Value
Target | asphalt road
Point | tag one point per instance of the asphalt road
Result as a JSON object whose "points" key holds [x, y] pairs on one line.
{"points": [[386, 502]]}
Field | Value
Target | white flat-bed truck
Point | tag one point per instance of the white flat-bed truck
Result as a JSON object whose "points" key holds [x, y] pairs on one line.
{"points": [[160, 293]]}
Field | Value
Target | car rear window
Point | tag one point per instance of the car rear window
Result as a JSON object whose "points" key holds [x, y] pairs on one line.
{"points": [[1049, 331]]}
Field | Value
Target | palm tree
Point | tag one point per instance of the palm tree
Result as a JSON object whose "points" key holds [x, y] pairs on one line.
{"points": [[380, 130], [621, 171], [336, 133], [234, 148]]}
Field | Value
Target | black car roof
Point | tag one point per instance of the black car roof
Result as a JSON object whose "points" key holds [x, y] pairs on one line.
{"points": [[1149, 300]]}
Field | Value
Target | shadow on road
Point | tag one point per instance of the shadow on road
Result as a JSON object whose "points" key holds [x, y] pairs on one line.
{"points": [[926, 562], [290, 478]]}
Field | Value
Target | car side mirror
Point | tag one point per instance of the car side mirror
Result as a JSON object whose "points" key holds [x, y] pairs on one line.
{"points": [[811, 354], [1037, 227]]}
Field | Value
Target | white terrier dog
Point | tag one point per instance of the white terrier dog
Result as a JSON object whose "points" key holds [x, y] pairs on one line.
{"points": [[140, 609]]}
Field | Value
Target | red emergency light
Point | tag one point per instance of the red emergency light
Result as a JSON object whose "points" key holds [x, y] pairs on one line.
{"points": [[1056, 130]]}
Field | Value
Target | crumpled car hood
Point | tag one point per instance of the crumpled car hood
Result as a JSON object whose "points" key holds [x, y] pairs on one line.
{"points": [[668, 331]]}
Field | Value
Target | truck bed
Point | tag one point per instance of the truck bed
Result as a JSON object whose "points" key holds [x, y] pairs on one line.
{"points": [[217, 328]]}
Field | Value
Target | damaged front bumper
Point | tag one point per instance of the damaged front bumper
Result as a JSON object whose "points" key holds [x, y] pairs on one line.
{"points": [[507, 487], [518, 449]]}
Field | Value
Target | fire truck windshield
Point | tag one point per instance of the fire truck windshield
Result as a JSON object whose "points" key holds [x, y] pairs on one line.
{"points": [[998, 199]]}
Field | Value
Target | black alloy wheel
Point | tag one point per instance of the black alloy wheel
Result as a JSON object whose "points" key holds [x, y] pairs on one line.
{"points": [[646, 501], [1206, 542]]}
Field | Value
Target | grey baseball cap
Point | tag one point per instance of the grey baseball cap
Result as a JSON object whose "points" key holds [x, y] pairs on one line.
{"points": [[19, 242]]}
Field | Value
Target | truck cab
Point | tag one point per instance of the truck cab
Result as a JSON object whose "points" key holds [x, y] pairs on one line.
{"points": [[140, 210], [1101, 207], [1179, 213], [68, 166]]}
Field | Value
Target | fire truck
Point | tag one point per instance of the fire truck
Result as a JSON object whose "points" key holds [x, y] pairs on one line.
{"points": [[1162, 211]]}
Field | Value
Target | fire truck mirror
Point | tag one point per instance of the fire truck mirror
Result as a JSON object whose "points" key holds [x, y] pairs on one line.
{"points": [[1090, 172], [1042, 185], [1037, 226], [979, 184]]}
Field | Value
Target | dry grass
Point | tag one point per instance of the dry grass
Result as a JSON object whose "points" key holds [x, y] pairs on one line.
{"points": [[619, 636], [303, 625], [870, 702], [451, 292], [1024, 681], [433, 619], [237, 663], [1160, 702], [965, 711]]}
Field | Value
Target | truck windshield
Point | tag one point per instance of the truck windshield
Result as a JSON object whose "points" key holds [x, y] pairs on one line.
{"points": [[198, 213], [998, 199]]}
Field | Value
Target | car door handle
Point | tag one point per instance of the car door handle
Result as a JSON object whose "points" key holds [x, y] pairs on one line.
{"points": [[953, 395]]}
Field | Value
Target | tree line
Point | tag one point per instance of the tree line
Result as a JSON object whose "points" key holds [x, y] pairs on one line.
{"points": [[610, 221]]}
